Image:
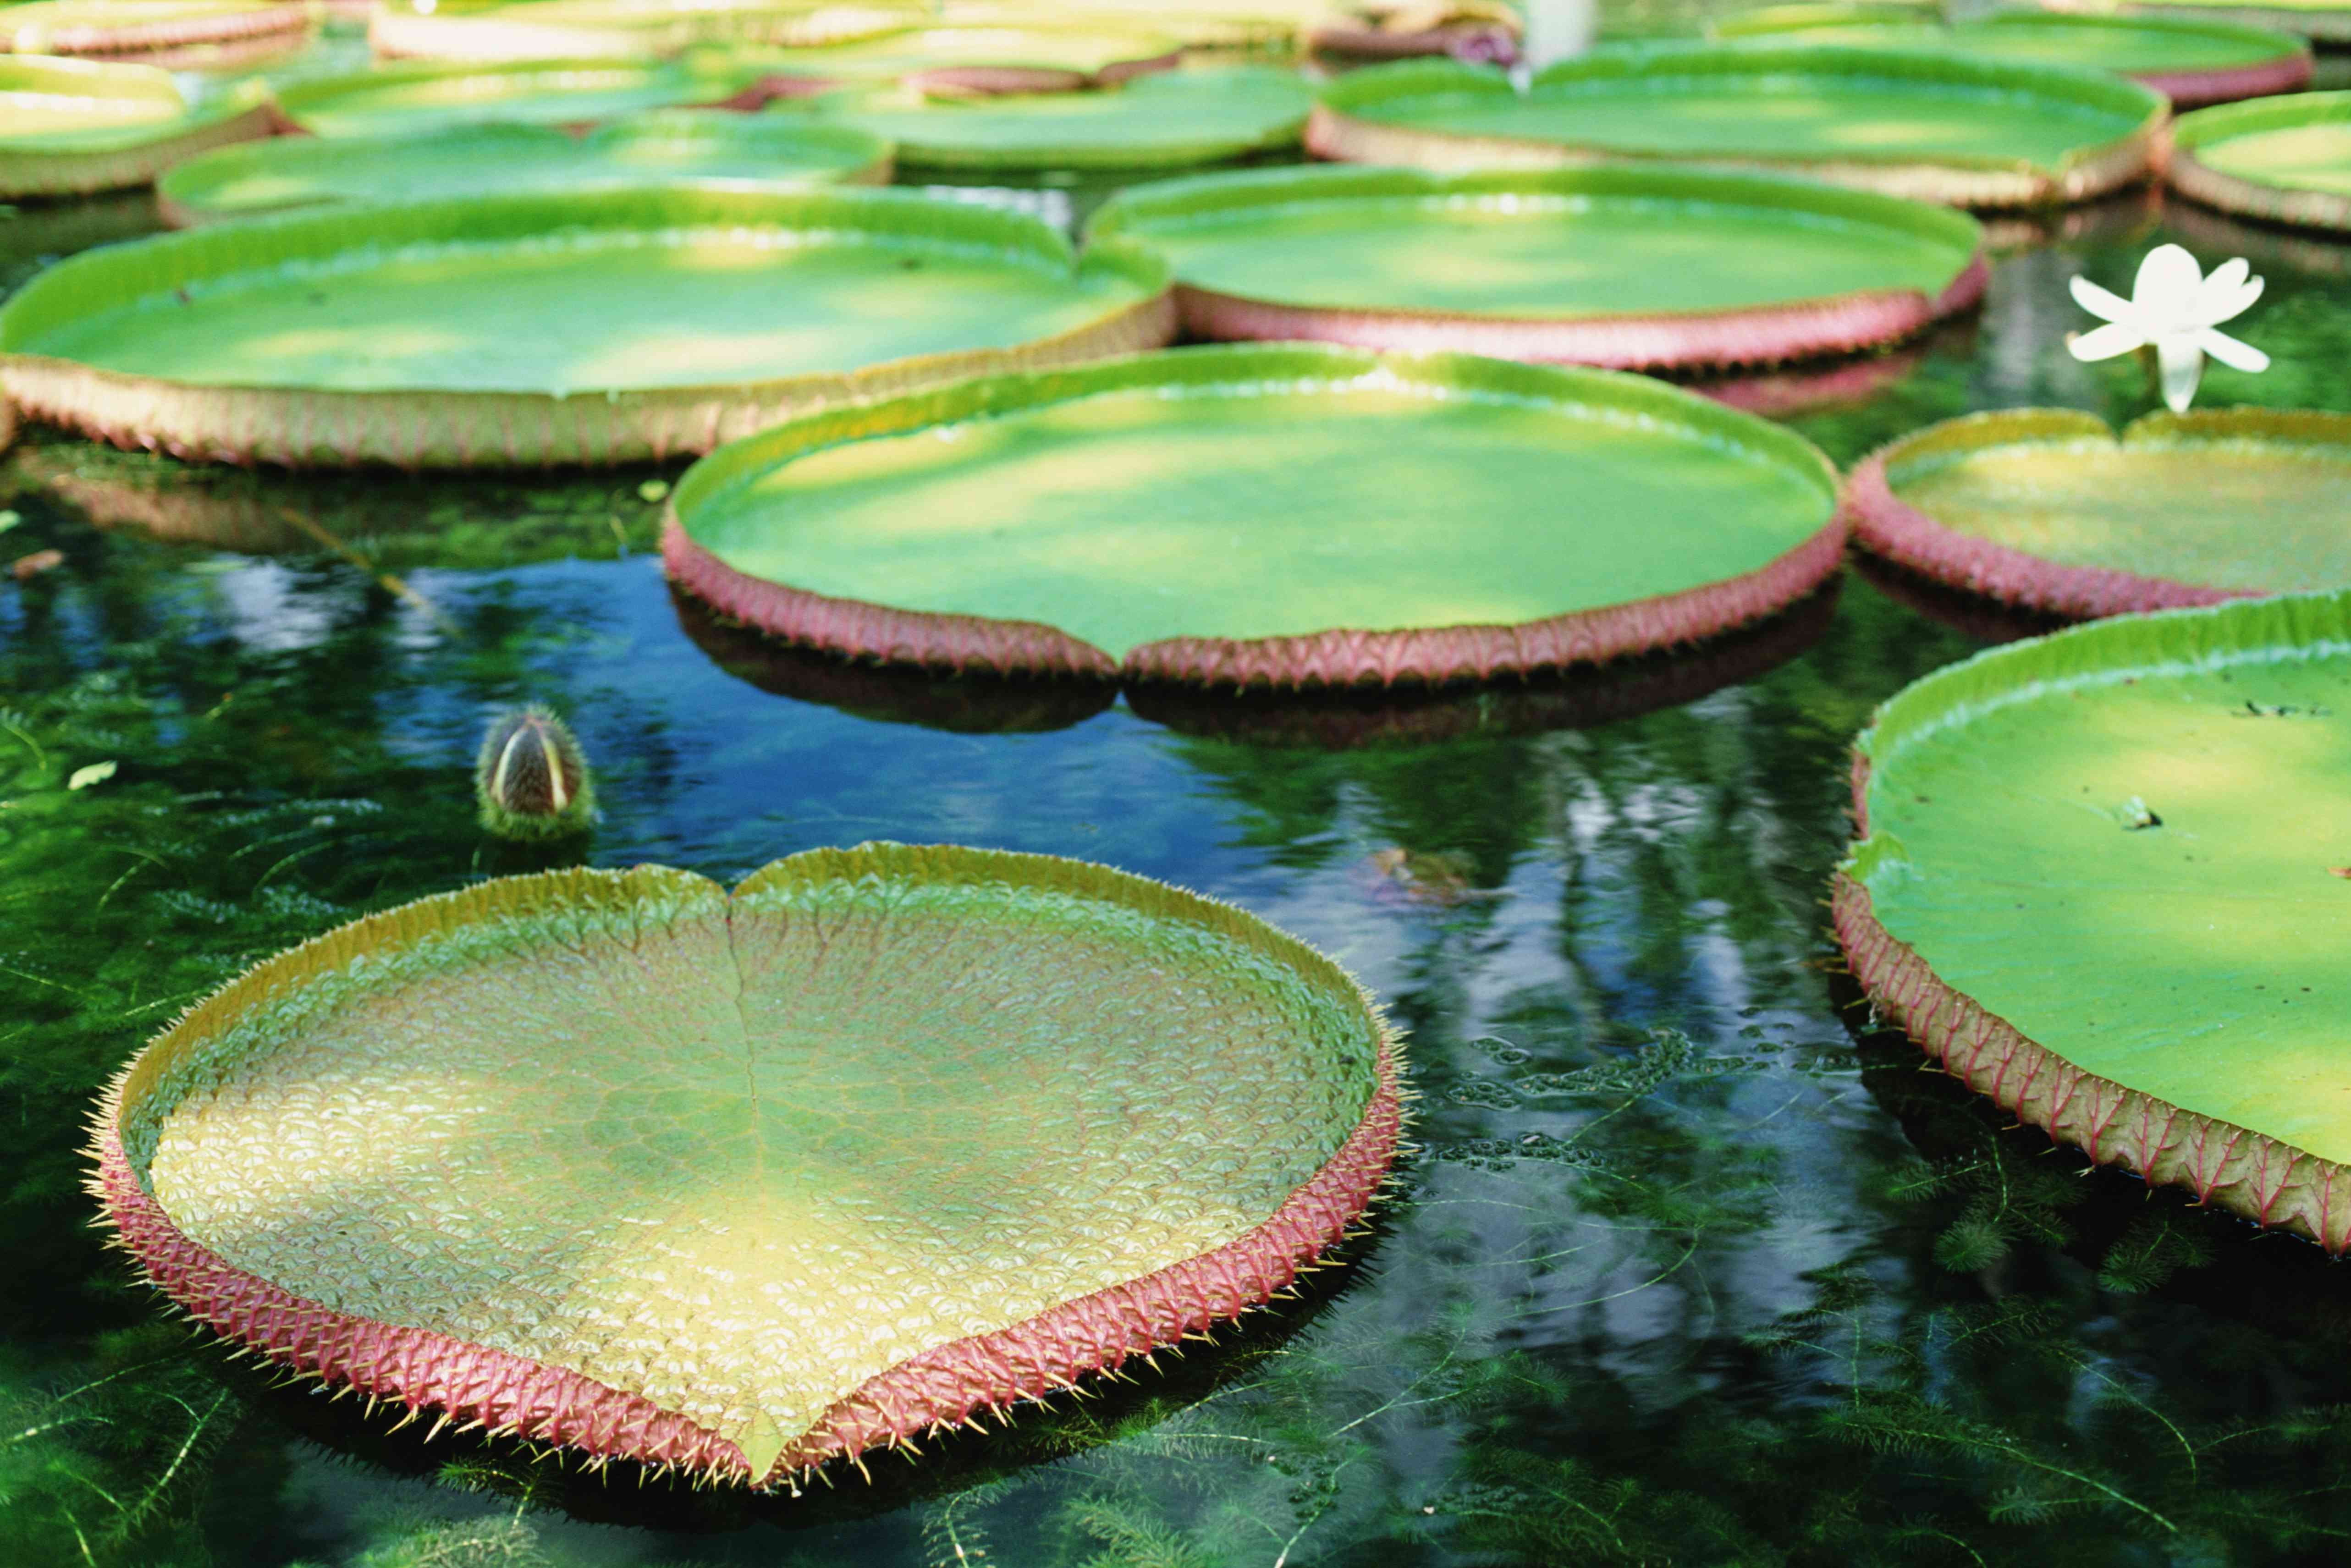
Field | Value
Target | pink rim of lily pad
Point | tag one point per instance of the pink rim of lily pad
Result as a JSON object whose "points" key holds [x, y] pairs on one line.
{"points": [[478, 1386], [298, 427], [1633, 340], [2264, 1178], [2302, 207], [134, 37], [1332, 133], [1340, 658], [2227, 84], [1887, 526]]}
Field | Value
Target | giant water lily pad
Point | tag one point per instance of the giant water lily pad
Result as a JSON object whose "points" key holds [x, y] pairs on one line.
{"points": [[1628, 267], [2048, 509], [675, 147], [991, 58], [738, 1182], [126, 26], [2325, 21], [1282, 516], [410, 97], [621, 29], [72, 126], [1172, 119], [1933, 125], [2287, 160], [2103, 880], [2189, 61], [596, 326]]}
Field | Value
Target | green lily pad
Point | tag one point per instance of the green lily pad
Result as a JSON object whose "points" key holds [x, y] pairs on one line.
{"points": [[1289, 515], [72, 126], [742, 152], [2106, 880], [123, 27], [488, 30], [1162, 120], [1934, 125], [969, 55], [2046, 509], [590, 326], [2190, 61], [2323, 21], [738, 1182], [1628, 267], [410, 97], [2287, 160]]}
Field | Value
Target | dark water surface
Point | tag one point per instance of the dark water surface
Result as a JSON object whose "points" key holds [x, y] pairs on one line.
{"points": [[1686, 1266]]}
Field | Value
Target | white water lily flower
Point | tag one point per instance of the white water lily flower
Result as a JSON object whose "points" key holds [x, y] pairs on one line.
{"points": [[2174, 308]]}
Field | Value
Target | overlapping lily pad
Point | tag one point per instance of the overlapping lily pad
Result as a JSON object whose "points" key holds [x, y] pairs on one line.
{"points": [[1162, 120], [72, 126], [978, 58], [2045, 509], [2106, 879], [592, 327], [1625, 266], [128, 26], [410, 97], [2324, 21], [632, 1163], [2190, 61], [1932, 125], [2287, 160], [1263, 514], [742, 152], [621, 29]]}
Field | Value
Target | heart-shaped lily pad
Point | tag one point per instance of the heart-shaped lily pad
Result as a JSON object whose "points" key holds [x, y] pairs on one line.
{"points": [[128, 26], [596, 326], [2105, 878], [2287, 160], [1934, 126], [72, 126], [2046, 509], [1160, 119], [1627, 267], [741, 152], [2190, 61], [736, 1182], [1285, 514]]}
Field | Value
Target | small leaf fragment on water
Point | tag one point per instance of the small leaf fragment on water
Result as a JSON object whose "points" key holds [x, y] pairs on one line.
{"points": [[96, 773], [28, 567], [2135, 816], [9, 518], [654, 490]]}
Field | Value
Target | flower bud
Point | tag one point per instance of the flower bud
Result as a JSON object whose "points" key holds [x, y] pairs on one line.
{"points": [[532, 778]]}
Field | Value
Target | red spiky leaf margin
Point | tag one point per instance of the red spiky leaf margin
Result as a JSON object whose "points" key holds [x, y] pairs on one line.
{"points": [[476, 1386], [2264, 1179]]}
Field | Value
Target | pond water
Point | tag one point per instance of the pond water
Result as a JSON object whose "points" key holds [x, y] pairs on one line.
{"points": [[1687, 1265]]}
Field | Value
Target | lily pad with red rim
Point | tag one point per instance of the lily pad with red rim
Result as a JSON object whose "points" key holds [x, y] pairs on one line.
{"points": [[584, 327], [1629, 268], [738, 151], [1288, 515], [1161, 119], [74, 127], [2105, 877], [2190, 61], [2285, 159], [738, 1182], [411, 97], [1932, 125], [2048, 509]]}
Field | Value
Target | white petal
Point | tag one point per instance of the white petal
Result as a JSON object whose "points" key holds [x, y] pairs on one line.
{"points": [[2183, 367], [2213, 308], [2165, 288], [2229, 351], [2105, 342], [2105, 305]]}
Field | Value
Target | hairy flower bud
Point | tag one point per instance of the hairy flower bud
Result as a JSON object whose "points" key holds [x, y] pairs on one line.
{"points": [[531, 777]]}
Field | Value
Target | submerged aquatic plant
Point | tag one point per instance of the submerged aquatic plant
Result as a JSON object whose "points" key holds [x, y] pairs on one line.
{"points": [[2174, 308], [532, 778]]}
